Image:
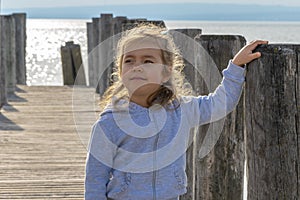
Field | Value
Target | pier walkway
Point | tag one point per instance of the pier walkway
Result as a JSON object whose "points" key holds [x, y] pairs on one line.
{"points": [[42, 155]]}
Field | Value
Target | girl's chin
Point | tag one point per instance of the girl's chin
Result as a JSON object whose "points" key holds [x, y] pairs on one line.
{"points": [[144, 90]]}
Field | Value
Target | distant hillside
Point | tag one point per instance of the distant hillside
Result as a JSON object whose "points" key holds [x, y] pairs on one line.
{"points": [[188, 11]]}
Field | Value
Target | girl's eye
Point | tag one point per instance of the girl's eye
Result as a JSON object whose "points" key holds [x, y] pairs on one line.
{"points": [[128, 61], [148, 61]]}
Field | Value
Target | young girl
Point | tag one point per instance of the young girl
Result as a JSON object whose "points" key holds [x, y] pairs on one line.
{"points": [[137, 147]]}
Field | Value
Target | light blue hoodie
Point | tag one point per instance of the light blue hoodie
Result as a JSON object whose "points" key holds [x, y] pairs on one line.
{"points": [[138, 153]]}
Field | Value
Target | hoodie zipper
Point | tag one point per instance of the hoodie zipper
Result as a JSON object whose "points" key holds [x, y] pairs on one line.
{"points": [[154, 159], [155, 168]]}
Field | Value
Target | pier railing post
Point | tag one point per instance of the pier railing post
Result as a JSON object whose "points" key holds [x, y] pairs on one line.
{"points": [[93, 41], [220, 174], [73, 71], [20, 28], [8, 51], [272, 123], [105, 32], [189, 72], [3, 93], [12, 53]]}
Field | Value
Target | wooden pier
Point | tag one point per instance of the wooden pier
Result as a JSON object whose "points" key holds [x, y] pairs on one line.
{"points": [[42, 156], [43, 152]]}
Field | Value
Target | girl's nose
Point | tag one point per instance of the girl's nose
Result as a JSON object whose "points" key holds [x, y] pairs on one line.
{"points": [[138, 68]]}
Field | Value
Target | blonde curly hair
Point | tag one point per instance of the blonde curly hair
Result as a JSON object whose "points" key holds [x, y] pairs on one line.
{"points": [[158, 36]]}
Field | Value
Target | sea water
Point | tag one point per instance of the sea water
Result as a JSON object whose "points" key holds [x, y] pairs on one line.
{"points": [[46, 36]]}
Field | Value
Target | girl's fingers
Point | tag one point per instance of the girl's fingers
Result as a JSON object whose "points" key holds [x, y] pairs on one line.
{"points": [[255, 43], [259, 42], [246, 55], [255, 55]]}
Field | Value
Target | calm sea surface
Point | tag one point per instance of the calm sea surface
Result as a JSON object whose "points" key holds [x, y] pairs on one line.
{"points": [[45, 37]]}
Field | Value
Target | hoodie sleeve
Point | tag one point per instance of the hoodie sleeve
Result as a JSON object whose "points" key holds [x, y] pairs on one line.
{"points": [[216, 105], [96, 179], [98, 164]]}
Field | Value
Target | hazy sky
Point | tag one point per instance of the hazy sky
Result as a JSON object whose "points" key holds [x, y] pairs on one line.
{"points": [[55, 3]]}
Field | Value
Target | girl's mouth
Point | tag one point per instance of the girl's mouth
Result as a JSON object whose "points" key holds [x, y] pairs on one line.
{"points": [[137, 78]]}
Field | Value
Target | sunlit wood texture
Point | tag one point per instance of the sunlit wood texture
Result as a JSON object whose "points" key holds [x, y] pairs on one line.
{"points": [[272, 99]]}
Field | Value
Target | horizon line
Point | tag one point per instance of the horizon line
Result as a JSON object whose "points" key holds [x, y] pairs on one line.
{"points": [[149, 3]]}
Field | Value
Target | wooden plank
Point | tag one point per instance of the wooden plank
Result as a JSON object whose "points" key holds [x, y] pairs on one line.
{"points": [[42, 154]]}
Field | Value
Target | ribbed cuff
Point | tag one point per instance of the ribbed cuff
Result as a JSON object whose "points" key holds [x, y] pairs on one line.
{"points": [[235, 70]]}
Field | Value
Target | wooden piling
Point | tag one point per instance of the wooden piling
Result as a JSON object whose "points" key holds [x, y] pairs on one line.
{"points": [[272, 123], [181, 44], [189, 71], [3, 93], [73, 71], [93, 41], [12, 53], [67, 65], [8, 49], [131, 23], [117, 30], [105, 32], [20, 28], [219, 175], [118, 25], [90, 42]]}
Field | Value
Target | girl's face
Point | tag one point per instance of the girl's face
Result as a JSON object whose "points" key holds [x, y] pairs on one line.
{"points": [[142, 71]]}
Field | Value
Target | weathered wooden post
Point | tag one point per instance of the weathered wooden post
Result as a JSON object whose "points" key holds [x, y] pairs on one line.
{"points": [[117, 30], [105, 32], [272, 110], [93, 60], [189, 72], [12, 53], [73, 71], [90, 42], [131, 23], [219, 175], [3, 93], [94, 39], [8, 51], [20, 41]]}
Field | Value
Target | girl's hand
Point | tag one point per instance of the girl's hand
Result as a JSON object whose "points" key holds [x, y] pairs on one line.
{"points": [[245, 55]]}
